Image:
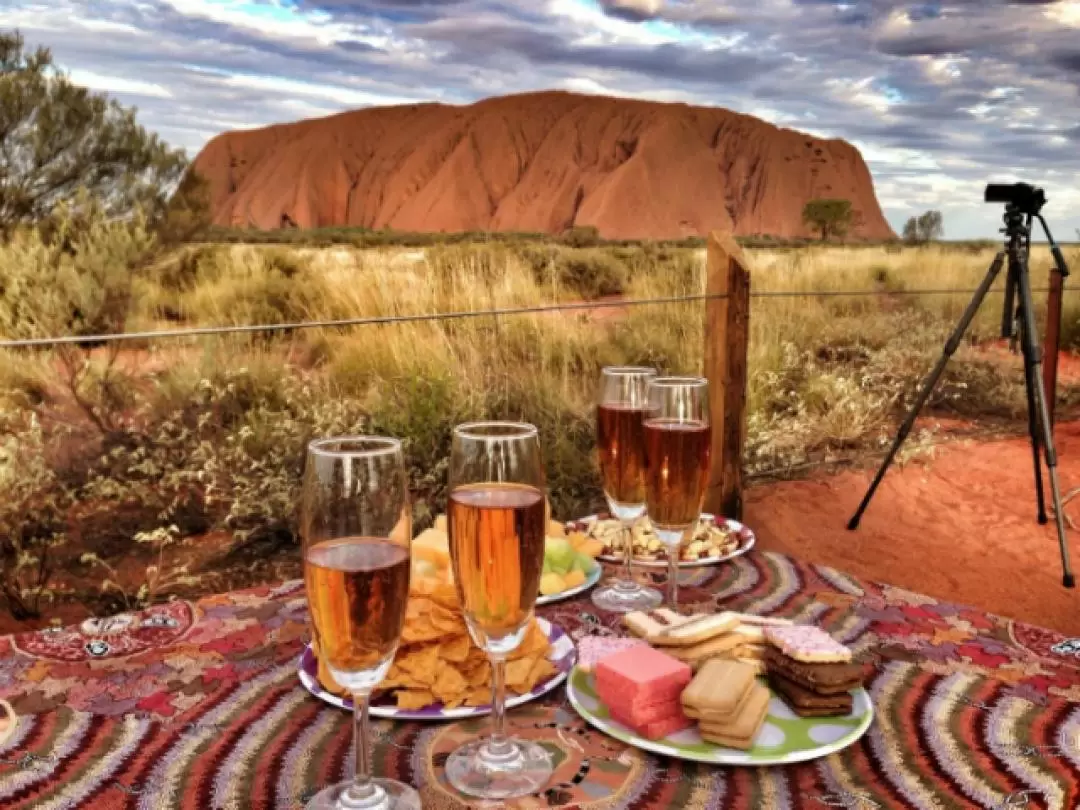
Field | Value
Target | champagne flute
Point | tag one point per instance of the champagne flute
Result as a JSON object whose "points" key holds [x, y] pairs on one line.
{"points": [[620, 419], [678, 444], [497, 520], [357, 529]]}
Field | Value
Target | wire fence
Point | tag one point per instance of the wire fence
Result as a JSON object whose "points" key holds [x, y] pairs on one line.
{"points": [[383, 320]]}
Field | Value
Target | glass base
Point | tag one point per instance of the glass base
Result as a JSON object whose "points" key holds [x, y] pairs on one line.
{"points": [[389, 795], [518, 769], [618, 598]]}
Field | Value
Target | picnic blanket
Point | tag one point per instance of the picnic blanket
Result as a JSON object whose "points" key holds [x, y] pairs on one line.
{"points": [[196, 705]]}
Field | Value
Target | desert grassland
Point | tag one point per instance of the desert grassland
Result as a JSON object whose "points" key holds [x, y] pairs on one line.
{"points": [[189, 438]]}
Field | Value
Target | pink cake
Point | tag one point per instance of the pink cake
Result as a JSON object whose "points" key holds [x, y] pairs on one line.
{"points": [[641, 688], [657, 729], [642, 675], [592, 650]]}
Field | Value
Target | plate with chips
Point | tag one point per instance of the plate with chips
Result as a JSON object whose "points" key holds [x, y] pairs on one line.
{"points": [[539, 665], [714, 541]]}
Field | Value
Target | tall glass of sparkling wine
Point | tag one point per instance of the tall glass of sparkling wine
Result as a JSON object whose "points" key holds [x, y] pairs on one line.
{"points": [[678, 441], [620, 439], [356, 527], [497, 520]]}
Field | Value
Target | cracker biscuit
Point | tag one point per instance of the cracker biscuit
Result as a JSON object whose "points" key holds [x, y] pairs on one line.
{"points": [[751, 633], [808, 644], [718, 688], [694, 630], [644, 623], [740, 732], [754, 651], [764, 621], [757, 665], [719, 647]]}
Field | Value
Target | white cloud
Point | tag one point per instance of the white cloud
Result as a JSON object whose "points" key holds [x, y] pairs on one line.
{"points": [[117, 84], [344, 96]]}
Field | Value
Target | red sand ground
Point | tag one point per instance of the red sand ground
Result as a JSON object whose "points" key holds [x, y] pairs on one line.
{"points": [[960, 526]]}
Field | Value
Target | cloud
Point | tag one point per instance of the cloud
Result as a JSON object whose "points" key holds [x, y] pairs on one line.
{"points": [[939, 96]]}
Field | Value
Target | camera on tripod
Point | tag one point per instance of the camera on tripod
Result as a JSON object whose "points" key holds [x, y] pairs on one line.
{"points": [[1023, 196], [1023, 203]]}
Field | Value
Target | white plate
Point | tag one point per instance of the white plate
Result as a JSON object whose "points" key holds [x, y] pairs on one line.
{"points": [[562, 654], [746, 542], [590, 580], [784, 738]]}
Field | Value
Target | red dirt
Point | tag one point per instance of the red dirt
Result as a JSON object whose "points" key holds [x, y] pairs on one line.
{"points": [[538, 162], [960, 527]]}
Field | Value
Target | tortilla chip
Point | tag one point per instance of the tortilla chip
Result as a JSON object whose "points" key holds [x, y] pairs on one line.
{"points": [[478, 697], [456, 651], [517, 674], [422, 663], [450, 684], [413, 699]]}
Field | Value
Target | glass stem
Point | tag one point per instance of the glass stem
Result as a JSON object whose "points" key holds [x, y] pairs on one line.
{"points": [[627, 581], [362, 793], [498, 746], [673, 577]]}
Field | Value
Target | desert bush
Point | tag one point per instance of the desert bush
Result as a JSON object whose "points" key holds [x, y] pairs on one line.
{"points": [[33, 515]]}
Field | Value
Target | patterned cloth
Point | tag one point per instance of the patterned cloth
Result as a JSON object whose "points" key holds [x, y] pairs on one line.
{"points": [[197, 706]]}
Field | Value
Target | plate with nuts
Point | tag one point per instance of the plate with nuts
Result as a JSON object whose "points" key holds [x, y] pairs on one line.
{"points": [[713, 541]]}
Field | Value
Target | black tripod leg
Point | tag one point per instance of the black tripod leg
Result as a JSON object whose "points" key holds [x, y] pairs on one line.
{"points": [[1032, 350], [1030, 381], [951, 345]]}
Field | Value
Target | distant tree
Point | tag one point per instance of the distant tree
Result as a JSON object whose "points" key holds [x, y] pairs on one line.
{"points": [[924, 228], [829, 217], [56, 138]]}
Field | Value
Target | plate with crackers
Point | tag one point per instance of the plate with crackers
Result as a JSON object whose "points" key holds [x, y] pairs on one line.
{"points": [[723, 689], [439, 673], [714, 540]]}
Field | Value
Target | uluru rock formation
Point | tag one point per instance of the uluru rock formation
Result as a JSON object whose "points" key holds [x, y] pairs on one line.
{"points": [[538, 162]]}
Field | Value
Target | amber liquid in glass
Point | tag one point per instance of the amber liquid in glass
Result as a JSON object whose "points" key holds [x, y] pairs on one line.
{"points": [[621, 442], [676, 471], [357, 589], [497, 550]]}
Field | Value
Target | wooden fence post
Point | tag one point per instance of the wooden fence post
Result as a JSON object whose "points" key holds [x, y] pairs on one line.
{"points": [[1052, 341], [727, 333]]}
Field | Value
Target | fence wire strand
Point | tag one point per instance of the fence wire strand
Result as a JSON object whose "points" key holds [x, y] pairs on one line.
{"points": [[383, 320]]}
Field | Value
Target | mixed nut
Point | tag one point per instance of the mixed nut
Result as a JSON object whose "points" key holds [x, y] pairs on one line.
{"points": [[708, 540]]}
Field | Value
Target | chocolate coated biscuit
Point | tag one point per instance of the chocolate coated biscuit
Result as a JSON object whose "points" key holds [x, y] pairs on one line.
{"points": [[807, 703], [825, 679]]}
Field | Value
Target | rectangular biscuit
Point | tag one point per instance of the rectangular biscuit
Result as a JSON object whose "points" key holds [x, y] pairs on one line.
{"points": [[807, 643], [752, 634], [694, 630], [763, 621], [741, 731], [755, 651], [825, 679], [643, 623], [721, 646], [719, 687], [806, 703], [757, 665]]}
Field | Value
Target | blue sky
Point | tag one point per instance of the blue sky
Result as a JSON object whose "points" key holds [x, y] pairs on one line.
{"points": [[941, 98]]}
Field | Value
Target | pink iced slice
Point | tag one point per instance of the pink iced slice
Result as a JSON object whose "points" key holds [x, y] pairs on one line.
{"points": [[639, 711], [657, 729], [642, 674]]}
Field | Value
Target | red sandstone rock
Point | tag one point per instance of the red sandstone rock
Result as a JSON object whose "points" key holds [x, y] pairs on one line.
{"points": [[536, 162]]}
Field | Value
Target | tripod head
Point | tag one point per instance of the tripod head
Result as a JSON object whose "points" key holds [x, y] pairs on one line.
{"points": [[1025, 198]]}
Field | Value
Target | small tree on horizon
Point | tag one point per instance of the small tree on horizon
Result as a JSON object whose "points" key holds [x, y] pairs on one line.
{"points": [[829, 217], [924, 228], [57, 138]]}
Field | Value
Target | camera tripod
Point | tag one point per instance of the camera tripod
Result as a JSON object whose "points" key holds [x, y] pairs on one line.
{"points": [[1023, 203]]}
